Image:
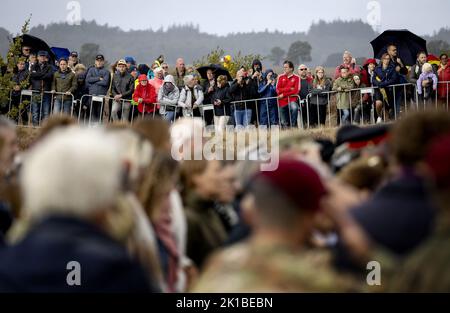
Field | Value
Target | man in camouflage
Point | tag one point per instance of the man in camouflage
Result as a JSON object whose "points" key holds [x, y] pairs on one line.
{"points": [[277, 258]]}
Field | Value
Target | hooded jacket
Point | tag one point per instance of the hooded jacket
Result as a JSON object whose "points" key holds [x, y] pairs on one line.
{"points": [[148, 94], [168, 101]]}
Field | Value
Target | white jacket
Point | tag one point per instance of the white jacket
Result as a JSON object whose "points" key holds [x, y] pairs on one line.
{"points": [[185, 100]]}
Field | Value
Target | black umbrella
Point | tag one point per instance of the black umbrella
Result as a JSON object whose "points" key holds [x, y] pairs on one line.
{"points": [[217, 70], [408, 45], [36, 44]]}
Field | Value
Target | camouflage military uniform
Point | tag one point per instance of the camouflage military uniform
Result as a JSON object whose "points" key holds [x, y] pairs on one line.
{"points": [[426, 270], [249, 267]]}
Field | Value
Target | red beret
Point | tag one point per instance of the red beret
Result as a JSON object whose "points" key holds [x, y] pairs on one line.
{"points": [[298, 181], [437, 158]]}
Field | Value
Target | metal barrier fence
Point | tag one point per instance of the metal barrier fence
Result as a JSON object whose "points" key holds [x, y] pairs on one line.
{"points": [[316, 110]]}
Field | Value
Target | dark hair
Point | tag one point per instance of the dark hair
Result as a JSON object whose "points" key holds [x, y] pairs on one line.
{"points": [[342, 67], [291, 65], [62, 59], [442, 54], [421, 52], [390, 45]]}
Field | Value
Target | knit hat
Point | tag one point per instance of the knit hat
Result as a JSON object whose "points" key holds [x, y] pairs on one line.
{"points": [[297, 181]]}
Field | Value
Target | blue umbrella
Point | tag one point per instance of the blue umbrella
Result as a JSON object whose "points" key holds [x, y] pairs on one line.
{"points": [[60, 52]]}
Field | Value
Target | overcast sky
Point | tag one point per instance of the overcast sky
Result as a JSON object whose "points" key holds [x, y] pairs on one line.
{"points": [[226, 16]]}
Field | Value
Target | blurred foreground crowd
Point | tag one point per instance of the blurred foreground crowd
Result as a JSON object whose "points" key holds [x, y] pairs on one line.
{"points": [[114, 201]]}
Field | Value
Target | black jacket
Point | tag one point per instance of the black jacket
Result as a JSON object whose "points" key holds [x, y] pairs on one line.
{"points": [[208, 96], [39, 262], [240, 93], [41, 77], [222, 94], [123, 85]]}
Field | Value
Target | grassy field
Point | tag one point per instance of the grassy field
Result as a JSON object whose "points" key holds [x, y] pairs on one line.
{"points": [[26, 135]]}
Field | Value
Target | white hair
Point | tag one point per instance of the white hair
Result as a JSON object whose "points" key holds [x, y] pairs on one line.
{"points": [[72, 172], [188, 78], [427, 68], [135, 150]]}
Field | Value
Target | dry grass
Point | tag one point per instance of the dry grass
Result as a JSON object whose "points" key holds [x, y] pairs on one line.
{"points": [[26, 135]]}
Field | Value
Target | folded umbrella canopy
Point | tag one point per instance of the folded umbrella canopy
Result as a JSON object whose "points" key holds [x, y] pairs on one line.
{"points": [[36, 44], [217, 70], [408, 44]]}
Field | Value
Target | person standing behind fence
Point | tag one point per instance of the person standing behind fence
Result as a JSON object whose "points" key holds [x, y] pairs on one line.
{"points": [[209, 87], [241, 90], [385, 76], [122, 91], [191, 97], [41, 76], [360, 101], [321, 87], [416, 69], [20, 81], [305, 88], [97, 80], [145, 96], [221, 100], [426, 91], [444, 78], [65, 85], [349, 62], [343, 85], [168, 96], [180, 72], [287, 90], [268, 111]]}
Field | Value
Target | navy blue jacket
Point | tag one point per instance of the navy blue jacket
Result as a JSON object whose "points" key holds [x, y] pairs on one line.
{"points": [[387, 77], [38, 263]]}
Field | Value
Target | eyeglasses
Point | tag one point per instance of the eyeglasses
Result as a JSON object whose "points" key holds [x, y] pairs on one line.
{"points": [[302, 69], [165, 67], [26, 49]]}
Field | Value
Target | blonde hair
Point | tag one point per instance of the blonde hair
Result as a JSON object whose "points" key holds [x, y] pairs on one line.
{"points": [[427, 68], [222, 79]]}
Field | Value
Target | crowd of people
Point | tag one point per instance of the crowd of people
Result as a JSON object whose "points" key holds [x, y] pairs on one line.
{"points": [[129, 90], [111, 209]]}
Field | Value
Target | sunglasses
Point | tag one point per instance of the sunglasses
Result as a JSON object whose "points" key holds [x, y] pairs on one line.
{"points": [[302, 69]]}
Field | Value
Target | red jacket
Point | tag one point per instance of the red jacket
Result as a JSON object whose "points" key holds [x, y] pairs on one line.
{"points": [[148, 94], [444, 76], [288, 86]]}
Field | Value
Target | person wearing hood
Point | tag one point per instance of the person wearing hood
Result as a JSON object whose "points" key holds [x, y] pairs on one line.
{"points": [[64, 82], [191, 97], [168, 96], [145, 96], [122, 89], [268, 110]]}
